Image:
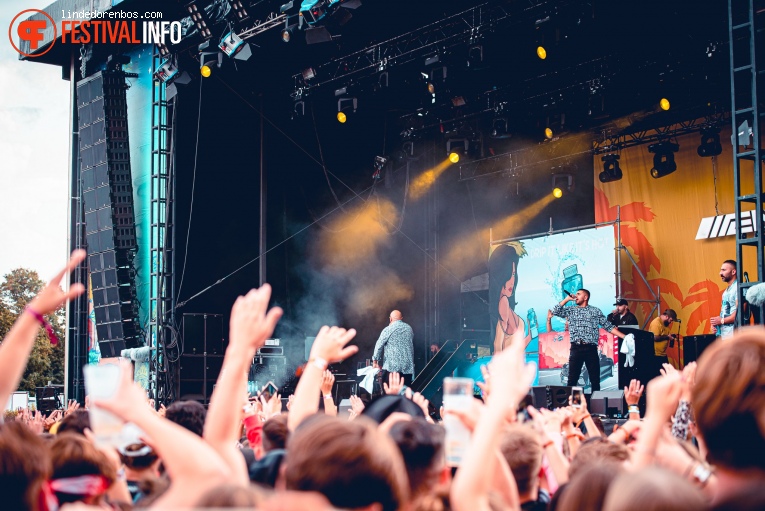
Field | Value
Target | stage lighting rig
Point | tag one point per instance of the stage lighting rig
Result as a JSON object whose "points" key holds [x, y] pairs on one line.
{"points": [[457, 147], [611, 170], [166, 72], [379, 164], [208, 58], [234, 46], [500, 128], [199, 18], [347, 104], [240, 13], [663, 158], [321, 15], [559, 181], [710, 143]]}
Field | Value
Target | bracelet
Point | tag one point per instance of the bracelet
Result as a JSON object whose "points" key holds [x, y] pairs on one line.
{"points": [[633, 409], [547, 444], [572, 435], [319, 363], [327, 396], [701, 474], [48, 328]]}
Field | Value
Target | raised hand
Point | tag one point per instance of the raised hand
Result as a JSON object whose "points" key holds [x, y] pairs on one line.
{"points": [[633, 392], [71, 406], [667, 368], [327, 382], [511, 376], [251, 321], [52, 296], [662, 395], [271, 407], [485, 385], [394, 385], [330, 344], [357, 405], [289, 401]]}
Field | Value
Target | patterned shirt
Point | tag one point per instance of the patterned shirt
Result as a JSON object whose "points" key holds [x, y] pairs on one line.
{"points": [[729, 306], [583, 322], [396, 341]]}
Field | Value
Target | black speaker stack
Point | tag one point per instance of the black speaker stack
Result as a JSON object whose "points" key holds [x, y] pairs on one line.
{"points": [[201, 356]]}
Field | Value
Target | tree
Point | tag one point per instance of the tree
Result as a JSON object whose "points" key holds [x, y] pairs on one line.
{"points": [[46, 363]]}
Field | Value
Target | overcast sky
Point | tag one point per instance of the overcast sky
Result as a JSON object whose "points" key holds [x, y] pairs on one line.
{"points": [[34, 147]]}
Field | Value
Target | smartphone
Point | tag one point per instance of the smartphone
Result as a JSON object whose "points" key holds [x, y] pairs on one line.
{"points": [[576, 397], [521, 412], [268, 390]]}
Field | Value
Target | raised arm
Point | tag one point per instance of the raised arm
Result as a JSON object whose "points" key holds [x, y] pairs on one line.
{"points": [[17, 345], [250, 325], [329, 346], [380, 345]]}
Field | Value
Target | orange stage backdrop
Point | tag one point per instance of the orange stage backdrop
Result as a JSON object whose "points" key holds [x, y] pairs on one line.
{"points": [[660, 221]]}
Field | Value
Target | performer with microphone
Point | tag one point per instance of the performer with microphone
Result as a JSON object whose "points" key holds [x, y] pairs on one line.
{"points": [[394, 350], [660, 328]]}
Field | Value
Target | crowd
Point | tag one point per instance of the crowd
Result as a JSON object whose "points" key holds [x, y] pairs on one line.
{"points": [[700, 444]]}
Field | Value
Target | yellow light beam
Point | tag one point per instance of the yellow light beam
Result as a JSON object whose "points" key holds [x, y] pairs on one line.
{"points": [[425, 181]]}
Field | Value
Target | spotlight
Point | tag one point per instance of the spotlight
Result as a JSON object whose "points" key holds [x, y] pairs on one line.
{"points": [[548, 133], [205, 70], [309, 73], [499, 128], [561, 181], [431, 88], [664, 104], [541, 52], [290, 29], [298, 109], [710, 143], [611, 170], [208, 59], [239, 11], [475, 55], [346, 104], [454, 146], [663, 158], [379, 163]]}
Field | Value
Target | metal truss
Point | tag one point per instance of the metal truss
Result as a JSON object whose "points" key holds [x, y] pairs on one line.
{"points": [[465, 27], [273, 20], [610, 143]]}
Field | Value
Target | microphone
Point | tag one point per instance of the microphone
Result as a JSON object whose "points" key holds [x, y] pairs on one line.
{"points": [[569, 294], [678, 321]]}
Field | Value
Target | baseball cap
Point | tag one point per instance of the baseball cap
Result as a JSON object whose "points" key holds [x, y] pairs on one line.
{"points": [[621, 301], [671, 314]]}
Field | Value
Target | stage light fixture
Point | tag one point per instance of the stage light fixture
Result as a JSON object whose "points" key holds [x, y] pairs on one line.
{"points": [[208, 58], [298, 109], [541, 52], [199, 18], [499, 128], [344, 105], [475, 55], [454, 157], [710, 143], [664, 104], [240, 13], [164, 51], [166, 72], [611, 170], [663, 158], [561, 181], [290, 29], [456, 148], [548, 133], [309, 73], [234, 46]]}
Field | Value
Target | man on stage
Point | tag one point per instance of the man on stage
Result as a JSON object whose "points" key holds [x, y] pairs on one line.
{"points": [[660, 327], [622, 315], [395, 349], [726, 321], [584, 322]]}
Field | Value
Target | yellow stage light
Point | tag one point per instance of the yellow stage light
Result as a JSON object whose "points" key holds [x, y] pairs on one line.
{"points": [[541, 52], [341, 117], [454, 157], [548, 133], [664, 104], [431, 88], [205, 70], [557, 193]]}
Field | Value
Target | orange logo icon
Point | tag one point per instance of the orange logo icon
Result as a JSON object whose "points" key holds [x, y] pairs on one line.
{"points": [[32, 31]]}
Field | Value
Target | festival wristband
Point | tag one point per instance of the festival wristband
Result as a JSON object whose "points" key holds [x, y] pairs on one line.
{"points": [[319, 363], [48, 328]]}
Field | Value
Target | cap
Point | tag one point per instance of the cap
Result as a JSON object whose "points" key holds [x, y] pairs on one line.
{"points": [[671, 314], [621, 301]]}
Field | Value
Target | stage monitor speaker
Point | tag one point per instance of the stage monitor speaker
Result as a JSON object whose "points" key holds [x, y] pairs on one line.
{"points": [[111, 349], [550, 396], [694, 346], [49, 398], [198, 375], [607, 402]]}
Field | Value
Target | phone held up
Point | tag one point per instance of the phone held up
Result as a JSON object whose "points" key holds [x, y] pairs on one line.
{"points": [[576, 397]]}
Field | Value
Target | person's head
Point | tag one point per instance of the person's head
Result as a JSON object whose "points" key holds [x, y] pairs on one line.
{"points": [[75, 422], [25, 466], [582, 297], [350, 462], [622, 306], [395, 316], [668, 317], [503, 275], [139, 457], [275, 433], [597, 450], [189, 414], [231, 495], [422, 447], [653, 489], [728, 271], [74, 457], [521, 448], [588, 488], [729, 398]]}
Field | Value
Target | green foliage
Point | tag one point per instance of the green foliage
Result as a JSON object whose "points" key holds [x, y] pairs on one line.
{"points": [[46, 363]]}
